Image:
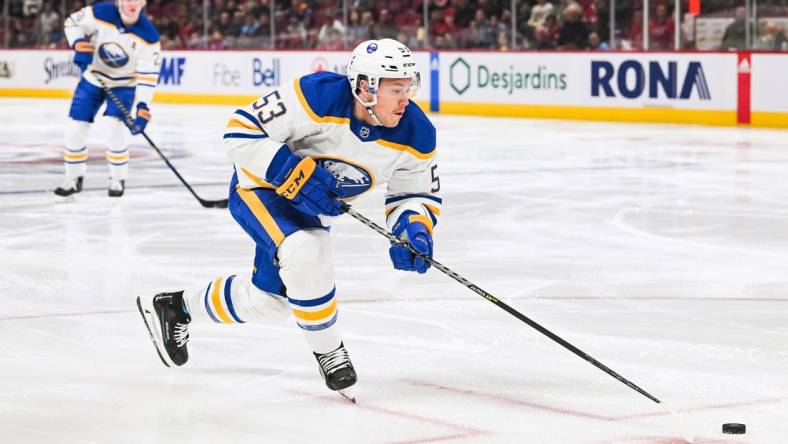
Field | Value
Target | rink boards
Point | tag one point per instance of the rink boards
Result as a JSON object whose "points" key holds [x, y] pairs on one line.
{"points": [[687, 87]]}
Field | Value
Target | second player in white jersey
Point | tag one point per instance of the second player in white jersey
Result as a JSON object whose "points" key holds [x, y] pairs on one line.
{"points": [[300, 152], [120, 46]]}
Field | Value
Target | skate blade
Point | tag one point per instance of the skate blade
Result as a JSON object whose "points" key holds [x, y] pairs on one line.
{"points": [[148, 319], [348, 394]]}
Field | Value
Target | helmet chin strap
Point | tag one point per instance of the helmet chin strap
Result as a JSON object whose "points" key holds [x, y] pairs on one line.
{"points": [[369, 107], [372, 114]]}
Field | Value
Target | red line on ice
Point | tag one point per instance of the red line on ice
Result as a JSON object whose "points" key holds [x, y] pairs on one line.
{"points": [[571, 412], [465, 432]]}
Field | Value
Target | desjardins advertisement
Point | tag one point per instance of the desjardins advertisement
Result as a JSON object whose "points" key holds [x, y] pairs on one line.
{"points": [[513, 79]]}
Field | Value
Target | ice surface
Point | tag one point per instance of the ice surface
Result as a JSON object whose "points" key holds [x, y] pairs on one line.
{"points": [[661, 251]]}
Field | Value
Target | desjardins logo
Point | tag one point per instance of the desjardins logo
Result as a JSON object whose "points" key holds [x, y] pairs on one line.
{"points": [[462, 76]]}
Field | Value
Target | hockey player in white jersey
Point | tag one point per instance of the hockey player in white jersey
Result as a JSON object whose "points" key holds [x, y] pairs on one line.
{"points": [[117, 43], [299, 152]]}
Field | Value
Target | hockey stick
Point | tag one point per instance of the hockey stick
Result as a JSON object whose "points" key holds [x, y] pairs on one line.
{"points": [[446, 270], [222, 203]]}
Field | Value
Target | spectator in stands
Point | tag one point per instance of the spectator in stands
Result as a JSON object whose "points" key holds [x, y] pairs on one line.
{"points": [[356, 32], [735, 33], [771, 38], [331, 40], [216, 41], [552, 27], [334, 21], [490, 7], [503, 41], [262, 37], [368, 21], [541, 40], [384, 28], [482, 34], [539, 12], [503, 22], [590, 12], [295, 33], [463, 13], [225, 25], [597, 44], [573, 34], [196, 41], [661, 29], [48, 26], [438, 25], [31, 7]]}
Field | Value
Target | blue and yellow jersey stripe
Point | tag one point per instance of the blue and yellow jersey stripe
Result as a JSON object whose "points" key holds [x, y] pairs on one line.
{"points": [[243, 125]]}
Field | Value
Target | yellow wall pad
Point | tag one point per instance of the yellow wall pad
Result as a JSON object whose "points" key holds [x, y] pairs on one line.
{"points": [[769, 119], [36, 93], [655, 115]]}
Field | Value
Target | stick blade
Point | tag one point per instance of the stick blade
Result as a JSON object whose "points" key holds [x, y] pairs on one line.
{"points": [[214, 203]]}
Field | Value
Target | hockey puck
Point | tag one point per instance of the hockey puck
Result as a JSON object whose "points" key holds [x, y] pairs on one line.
{"points": [[734, 428]]}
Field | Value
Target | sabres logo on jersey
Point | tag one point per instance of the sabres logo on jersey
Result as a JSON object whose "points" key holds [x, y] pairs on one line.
{"points": [[353, 179], [113, 55]]}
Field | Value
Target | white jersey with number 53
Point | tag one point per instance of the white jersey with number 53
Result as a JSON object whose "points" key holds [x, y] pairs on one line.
{"points": [[313, 115]]}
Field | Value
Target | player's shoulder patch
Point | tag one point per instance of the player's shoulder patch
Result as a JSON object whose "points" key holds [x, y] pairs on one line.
{"points": [[325, 96], [106, 12], [414, 131], [145, 30]]}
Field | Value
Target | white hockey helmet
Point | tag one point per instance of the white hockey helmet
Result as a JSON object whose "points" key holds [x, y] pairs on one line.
{"points": [[374, 60]]}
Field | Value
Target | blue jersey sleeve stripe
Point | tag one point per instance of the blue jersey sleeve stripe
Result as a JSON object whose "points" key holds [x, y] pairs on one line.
{"points": [[391, 200], [250, 118], [244, 136]]}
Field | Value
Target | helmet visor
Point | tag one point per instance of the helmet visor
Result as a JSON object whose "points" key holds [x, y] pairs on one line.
{"points": [[400, 88]]}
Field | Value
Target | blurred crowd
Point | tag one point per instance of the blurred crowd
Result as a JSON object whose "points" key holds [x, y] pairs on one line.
{"points": [[451, 24]]}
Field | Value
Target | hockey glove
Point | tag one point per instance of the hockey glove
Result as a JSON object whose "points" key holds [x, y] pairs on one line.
{"points": [[142, 119], [83, 53], [412, 228], [312, 189]]}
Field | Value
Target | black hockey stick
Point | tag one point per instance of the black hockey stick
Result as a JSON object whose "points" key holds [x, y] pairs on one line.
{"points": [[222, 203], [446, 270]]}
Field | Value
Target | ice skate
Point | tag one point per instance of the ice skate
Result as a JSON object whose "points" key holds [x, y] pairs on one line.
{"points": [[167, 322], [116, 187], [338, 371], [72, 185]]}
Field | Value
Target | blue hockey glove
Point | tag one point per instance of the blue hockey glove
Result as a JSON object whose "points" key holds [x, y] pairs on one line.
{"points": [[142, 119], [312, 189], [83, 53], [412, 228]]}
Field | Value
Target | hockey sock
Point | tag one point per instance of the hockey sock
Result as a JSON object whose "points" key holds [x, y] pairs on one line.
{"points": [[75, 153], [234, 300], [307, 270], [117, 150]]}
